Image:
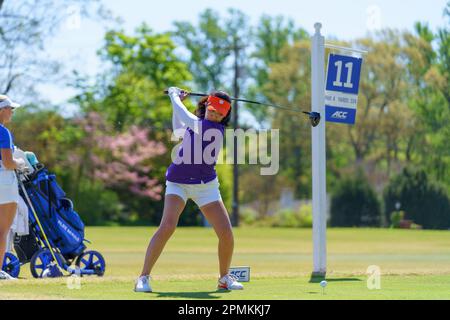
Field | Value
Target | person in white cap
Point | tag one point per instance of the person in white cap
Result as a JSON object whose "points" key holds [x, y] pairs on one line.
{"points": [[9, 189]]}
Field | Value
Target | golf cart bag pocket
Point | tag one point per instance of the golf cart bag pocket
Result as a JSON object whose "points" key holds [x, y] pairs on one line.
{"points": [[70, 216], [56, 190], [48, 185], [69, 240], [25, 246]]}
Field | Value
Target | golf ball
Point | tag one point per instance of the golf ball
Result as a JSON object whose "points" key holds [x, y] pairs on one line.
{"points": [[323, 284]]}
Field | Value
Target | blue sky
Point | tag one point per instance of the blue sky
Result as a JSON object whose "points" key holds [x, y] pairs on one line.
{"points": [[77, 42]]}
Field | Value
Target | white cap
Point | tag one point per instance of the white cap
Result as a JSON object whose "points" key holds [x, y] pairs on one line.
{"points": [[5, 101]]}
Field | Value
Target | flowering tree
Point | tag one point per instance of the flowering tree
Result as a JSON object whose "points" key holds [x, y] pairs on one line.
{"points": [[127, 162], [121, 161]]}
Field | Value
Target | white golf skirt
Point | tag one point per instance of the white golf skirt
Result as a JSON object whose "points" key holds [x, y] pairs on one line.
{"points": [[201, 194], [9, 187]]}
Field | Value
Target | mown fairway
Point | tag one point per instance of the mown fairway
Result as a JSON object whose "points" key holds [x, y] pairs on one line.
{"points": [[414, 265]]}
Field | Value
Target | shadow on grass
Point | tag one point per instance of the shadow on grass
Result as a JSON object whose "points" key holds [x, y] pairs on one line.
{"points": [[343, 280], [191, 295], [319, 279]]}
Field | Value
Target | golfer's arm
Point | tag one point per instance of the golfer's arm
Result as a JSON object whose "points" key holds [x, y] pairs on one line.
{"points": [[182, 116], [7, 159], [176, 123]]}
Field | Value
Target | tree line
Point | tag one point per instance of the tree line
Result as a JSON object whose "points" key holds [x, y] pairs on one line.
{"points": [[111, 155]]}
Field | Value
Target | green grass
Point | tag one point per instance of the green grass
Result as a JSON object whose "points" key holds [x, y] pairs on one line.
{"points": [[414, 264]]}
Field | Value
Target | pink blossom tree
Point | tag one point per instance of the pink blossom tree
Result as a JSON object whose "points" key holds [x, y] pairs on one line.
{"points": [[120, 161]]}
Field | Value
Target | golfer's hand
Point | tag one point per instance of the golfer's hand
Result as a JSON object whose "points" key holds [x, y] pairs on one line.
{"points": [[174, 91], [21, 165], [183, 95]]}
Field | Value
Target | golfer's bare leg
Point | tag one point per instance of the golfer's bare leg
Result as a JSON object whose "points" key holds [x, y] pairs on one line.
{"points": [[217, 216], [173, 207], [7, 214]]}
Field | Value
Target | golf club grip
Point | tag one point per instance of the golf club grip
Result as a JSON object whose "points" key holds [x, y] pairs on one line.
{"points": [[194, 94]]}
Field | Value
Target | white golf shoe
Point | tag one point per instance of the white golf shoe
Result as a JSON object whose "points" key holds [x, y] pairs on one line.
{"points": [[229, 282], [143, 284], [5, 276]]}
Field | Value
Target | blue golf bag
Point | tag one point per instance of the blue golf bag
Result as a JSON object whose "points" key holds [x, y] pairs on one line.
{"points": [[61, 223]]}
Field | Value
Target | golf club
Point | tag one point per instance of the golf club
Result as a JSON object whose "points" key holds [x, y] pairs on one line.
{"points": [[314, 117]]}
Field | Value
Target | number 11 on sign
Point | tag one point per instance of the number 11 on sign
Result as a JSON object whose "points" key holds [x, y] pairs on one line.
{"points": [[348, 83]]}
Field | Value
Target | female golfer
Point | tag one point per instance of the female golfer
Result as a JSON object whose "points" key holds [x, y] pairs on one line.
{"points": [[9, 189], [188, 177]]}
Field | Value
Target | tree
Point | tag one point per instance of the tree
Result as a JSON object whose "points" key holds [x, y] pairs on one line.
{"points": [[355, 204], [120, 162], [382, 85], [24, 28], [260, 191], [126, 166], [131, 92], [57, 144], [429, 96], [423, 201], [40, 131], [208, 49], [271, 35], [289, 84], [211, 45]]}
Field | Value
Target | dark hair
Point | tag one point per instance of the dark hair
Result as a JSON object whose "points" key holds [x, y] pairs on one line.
{"points": [[201, 106]]}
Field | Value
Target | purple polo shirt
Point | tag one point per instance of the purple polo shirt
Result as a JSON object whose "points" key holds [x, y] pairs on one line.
{"points": [[195, 160]]}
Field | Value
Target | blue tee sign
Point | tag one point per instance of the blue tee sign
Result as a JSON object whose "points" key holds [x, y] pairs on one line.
{"points": [[342, 85]]}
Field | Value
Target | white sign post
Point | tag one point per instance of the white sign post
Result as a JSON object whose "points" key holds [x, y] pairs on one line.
{"points": [[336, 101], [319, 198]]}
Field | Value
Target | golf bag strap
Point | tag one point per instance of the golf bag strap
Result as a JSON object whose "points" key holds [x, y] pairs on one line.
{"points": [[49, 190]]}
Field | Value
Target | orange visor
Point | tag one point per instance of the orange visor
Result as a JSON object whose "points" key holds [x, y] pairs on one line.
{"points": [[218, 104]]}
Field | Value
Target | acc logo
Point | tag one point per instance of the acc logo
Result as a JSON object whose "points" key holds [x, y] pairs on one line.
{"points": [[340, 115], [242, 273]]}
